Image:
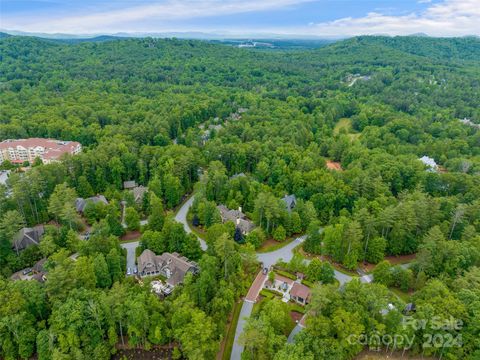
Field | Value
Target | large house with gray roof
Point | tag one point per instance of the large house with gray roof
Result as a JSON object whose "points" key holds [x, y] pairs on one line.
{"points": [[27, 237], [170, 265], [237, 217], [80, 203]]}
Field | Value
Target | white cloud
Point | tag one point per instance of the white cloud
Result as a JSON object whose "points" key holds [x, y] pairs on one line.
{"points": [[445, 18], [166, 11], [448, 18]]}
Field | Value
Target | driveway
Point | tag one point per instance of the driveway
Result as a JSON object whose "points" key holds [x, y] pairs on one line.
{"points": [[181, 217], [256, 287], [299, 327], [131, 247], [245, 313]]}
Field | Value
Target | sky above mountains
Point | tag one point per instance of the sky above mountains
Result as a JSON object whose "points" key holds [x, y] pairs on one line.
{"points": [[322, 18]]}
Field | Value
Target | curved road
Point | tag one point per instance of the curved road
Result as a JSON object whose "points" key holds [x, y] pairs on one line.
{"points": [[181, 217], [268, 259]]}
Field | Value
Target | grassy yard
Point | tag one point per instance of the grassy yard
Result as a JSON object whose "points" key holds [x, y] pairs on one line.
{"points": [[272, 245], [401, 294], [200, 233], [286, 274]]}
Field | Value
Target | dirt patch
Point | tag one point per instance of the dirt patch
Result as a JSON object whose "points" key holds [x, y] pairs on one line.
{"points": [[394, 260], [334, 165], [295, 316], [131, 235]]}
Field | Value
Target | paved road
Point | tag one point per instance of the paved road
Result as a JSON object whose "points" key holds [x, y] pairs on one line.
{"points": [[285, 253], [181, 217], [268, 259], [130, 246], [245, 313]]}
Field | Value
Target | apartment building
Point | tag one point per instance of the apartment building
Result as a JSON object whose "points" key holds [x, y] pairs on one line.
{"points": [[48, 150]]}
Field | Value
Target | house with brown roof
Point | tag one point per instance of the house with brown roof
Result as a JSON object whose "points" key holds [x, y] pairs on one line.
{"points": [[27, 237], [289, 289], [300, 293], [172, 266], [280, 284]]}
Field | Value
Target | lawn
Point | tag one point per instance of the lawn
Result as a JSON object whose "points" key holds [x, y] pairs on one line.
{"points": [[272, 245], [405, 297], [200, 233], [286, 274]]}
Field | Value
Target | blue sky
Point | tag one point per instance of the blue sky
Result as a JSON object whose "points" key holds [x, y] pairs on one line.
{"points": [[323, 18]]}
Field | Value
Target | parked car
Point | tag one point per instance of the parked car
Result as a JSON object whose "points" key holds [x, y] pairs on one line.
{"points": [[135, 270], [129, 271], [26, 271], [265, 271]]}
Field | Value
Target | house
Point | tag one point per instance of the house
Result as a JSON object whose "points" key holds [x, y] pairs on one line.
{"points": [[138, 191], [290, 289], [39, 272], [237, 217], [290, 202], [173, 266], [300, 293], [429, 163], [80, 203], [27, 237], [129, 185], [245, 226], [280, 284]]}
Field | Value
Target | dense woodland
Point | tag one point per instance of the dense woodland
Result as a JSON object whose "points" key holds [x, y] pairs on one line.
{"points": [[140, 108]]}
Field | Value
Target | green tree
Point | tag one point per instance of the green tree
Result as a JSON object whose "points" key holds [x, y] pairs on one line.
{"points": [[279, 233], [102, 274], [156, 218], [132, 219], [382, 273]]}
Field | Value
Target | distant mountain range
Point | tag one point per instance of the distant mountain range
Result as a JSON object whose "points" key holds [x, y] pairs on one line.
{"points": [[263, 40]]}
